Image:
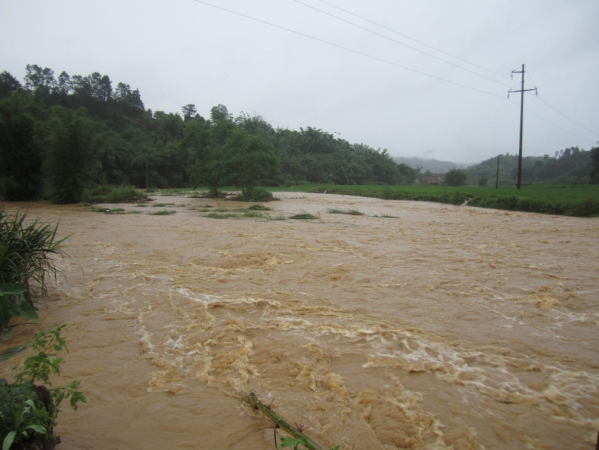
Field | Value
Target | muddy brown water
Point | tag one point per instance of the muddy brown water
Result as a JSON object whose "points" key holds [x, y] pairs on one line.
{"points": [[440, 327]]}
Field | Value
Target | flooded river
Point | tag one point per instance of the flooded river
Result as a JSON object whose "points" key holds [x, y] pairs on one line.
{"points": [[415, 325]]}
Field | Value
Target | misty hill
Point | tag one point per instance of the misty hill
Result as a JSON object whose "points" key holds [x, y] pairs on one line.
{"points": [[569, 166], [433, 165]]}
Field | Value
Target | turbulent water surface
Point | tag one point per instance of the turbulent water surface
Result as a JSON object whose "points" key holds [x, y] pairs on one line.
{"points": [[416, 325]]}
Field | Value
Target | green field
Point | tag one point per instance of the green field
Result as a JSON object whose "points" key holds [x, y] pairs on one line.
{"points": [[571, 200]]}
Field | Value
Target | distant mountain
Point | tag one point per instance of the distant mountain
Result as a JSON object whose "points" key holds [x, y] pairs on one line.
{"points": [[434, 165]]}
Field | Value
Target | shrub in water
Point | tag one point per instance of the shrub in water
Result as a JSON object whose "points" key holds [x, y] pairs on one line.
{"points": [[110, 194], [255, 195]]}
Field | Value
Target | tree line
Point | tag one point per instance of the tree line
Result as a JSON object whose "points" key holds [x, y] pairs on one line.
{"points": [[61, 134]]}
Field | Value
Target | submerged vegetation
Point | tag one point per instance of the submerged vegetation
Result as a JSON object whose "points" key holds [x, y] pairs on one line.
{"points": [[162, 212], [254, 195], [253, 214], [296, 439], [303, 216], [113, 194], [214, 215], [259, 208], [108, 210], [351, 212]]}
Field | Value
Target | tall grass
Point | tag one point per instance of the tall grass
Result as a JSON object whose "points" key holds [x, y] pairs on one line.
{"points": [[27, 253]]}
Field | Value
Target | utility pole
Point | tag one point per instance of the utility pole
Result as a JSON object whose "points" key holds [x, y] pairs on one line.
{"points": [[522, 91]]}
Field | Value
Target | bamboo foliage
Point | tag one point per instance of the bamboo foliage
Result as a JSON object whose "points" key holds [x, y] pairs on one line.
{"points": [[26, 253]]}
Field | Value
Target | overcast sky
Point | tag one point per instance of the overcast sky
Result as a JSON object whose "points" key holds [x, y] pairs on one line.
{"points": [[183, 51]]}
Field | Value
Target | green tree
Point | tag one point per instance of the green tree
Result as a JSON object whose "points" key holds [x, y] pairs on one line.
{"points": [[143, 157], [205, 145], [104, 88], [218, 113], [256, 125], [115, 159], [249, 159], [8, 84], [126, 96], [408, 174], [287, 143], [223, 152], [455, 177], [189, 111], [64, 85], [20, 150], [70, 155], [37, 78]]}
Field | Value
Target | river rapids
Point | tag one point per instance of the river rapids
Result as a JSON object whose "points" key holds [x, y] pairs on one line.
{"points": [[414, 325]]}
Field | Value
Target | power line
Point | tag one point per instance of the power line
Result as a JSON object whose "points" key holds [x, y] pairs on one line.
{"points": [[346, 48], [513, 87], [412, 39], [531, 80], [400, 43], [569, 118], [561, 113], [549, 122]]}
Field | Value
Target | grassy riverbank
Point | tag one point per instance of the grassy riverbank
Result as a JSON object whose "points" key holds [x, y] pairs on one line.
{"points": [[568, 200]]}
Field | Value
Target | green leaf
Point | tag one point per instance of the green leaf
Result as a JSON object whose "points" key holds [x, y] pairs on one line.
{"points": [[76, 397], [27, 311], [37, 428], [30, 403], [289, 441], [8, 440], [59, 398], [11, 289]]}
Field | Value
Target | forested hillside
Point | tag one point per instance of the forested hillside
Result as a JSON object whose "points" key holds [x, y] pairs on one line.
{"points": [[569, 166], [61, 134]]}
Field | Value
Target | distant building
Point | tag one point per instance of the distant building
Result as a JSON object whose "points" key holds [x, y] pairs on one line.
{"points": [[430, 179]]}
